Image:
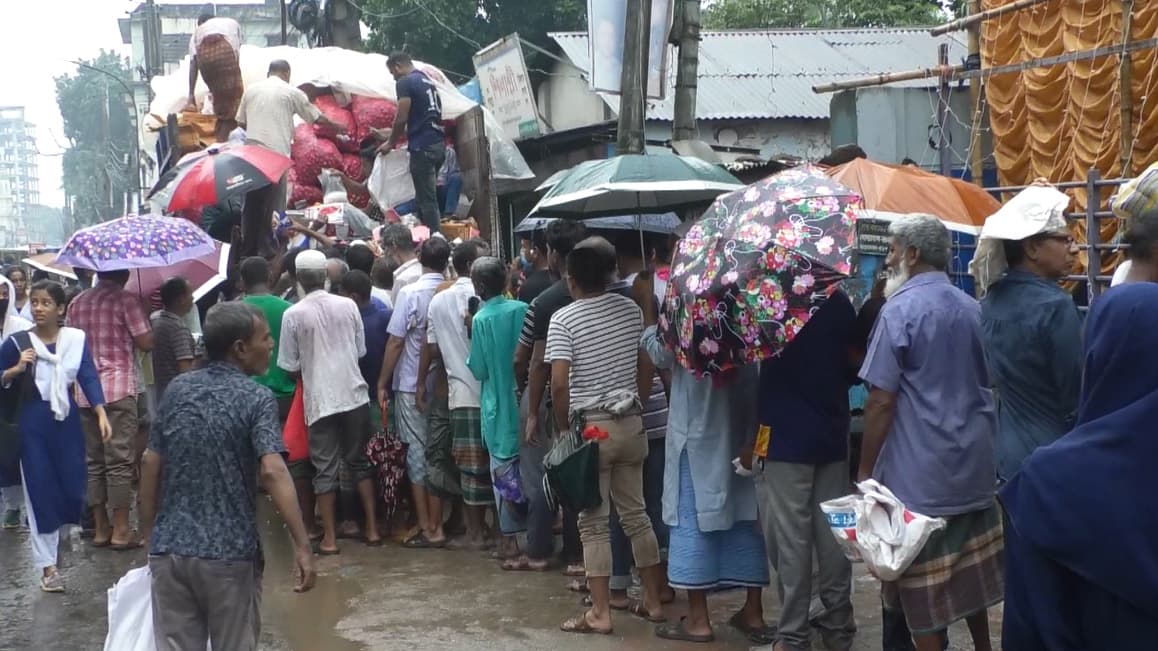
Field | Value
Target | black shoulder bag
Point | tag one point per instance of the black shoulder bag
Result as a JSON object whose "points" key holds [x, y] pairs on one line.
{"points": [[10, 400]]}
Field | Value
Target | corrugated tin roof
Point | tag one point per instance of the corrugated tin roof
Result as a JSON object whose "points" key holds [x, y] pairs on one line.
{"points": [[770, 73]]}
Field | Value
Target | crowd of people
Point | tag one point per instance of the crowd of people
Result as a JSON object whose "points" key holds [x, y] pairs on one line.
{"points": [[706, 483]]}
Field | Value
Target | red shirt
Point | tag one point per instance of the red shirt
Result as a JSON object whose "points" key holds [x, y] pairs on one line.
{"points": [[110, 318]]}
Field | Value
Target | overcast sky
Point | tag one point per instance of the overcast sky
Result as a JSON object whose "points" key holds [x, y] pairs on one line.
{"points": [[37, 39]]}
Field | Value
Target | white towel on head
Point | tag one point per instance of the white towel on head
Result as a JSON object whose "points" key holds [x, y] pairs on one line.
{"points": [[55, 372]]}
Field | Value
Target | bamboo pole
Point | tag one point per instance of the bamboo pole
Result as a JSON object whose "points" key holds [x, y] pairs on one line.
{"points": [[887, 78], [1126, 102], [974, 18], [976, 90]]}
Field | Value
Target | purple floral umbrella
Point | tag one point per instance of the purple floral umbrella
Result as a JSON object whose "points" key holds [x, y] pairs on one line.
{"points": [[135, 242]]}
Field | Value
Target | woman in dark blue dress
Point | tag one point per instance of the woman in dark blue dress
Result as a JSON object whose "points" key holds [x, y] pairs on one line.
{"points": [[1081, 548], [44, 369]]}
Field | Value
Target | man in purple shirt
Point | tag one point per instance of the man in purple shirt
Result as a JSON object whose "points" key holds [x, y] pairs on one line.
{"points": [[930, 423]]}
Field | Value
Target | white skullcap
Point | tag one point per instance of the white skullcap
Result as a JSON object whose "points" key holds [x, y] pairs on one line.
{"points": [[310, 260]]}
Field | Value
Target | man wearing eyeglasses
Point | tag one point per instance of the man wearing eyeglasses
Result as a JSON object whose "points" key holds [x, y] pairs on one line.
{"points": [[1032, 329]]}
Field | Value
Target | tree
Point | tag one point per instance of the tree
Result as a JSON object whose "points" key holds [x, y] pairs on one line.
{"points": [[98, 163], [751, 14], [446, 33]]}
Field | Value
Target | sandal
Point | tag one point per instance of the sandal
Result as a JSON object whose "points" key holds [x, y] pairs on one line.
{"points": [[524, 564], [53, 583], [578, 585], [317, 548], [587, 603], [420, 541], [678, 633], [575, 570], [581, 626], [762, 635], [637, 608], [124, 547], [373, 543]]}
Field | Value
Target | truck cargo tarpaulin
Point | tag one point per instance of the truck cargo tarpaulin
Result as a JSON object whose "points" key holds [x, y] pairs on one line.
{"points": [[346, 72]]}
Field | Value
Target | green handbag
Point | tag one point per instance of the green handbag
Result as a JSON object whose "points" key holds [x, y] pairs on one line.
{"points": [[571, 477]]}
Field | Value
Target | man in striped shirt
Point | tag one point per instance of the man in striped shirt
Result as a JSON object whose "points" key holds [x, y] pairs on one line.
{"points": [[593, 349]]}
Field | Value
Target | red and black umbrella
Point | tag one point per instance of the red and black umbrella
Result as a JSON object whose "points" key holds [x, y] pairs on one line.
{"points": [[211, 176]]}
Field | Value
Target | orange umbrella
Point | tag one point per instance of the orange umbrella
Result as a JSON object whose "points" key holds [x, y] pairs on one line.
{"points": [[962, 206]]}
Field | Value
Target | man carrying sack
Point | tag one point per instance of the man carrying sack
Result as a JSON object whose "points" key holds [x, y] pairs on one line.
{"points": [[215, 48]]}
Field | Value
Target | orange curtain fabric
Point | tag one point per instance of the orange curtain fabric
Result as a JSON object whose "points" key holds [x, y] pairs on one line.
{"points": [[1059, 122]]}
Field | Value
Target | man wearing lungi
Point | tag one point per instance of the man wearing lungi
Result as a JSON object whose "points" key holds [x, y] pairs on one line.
{"points": [[216, 50], [930, 423]]}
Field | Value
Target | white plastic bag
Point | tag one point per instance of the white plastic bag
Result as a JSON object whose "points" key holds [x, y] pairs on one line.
{"points": [[131, 613], [390, 183], [886, 535]]}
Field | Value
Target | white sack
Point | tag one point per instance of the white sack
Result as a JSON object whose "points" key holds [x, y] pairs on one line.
{"points": [[390, 183]]}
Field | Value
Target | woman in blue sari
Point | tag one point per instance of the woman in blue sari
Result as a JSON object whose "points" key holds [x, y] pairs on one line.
{"points": [[1081, 548], [52, 457]]}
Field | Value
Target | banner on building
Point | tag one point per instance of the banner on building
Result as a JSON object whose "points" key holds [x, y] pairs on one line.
{"points": [[506, 88], [606, 20]]}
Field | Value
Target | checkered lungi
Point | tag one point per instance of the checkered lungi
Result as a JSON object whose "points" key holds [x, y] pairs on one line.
{"points": [[960, 572], [220, 67], [470, 455]]}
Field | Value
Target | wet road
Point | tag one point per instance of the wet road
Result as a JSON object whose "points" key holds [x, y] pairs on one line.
{"points": [[374, 598]]}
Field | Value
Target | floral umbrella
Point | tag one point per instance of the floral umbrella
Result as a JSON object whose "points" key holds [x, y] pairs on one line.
{"points": [[136, 242], [751, 271]]}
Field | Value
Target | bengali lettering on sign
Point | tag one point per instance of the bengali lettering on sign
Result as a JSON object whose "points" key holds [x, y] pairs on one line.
{"points": [[506, 88], [872, 237]]}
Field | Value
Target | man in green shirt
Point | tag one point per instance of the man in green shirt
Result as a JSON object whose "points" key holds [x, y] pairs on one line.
{"points": [[255, 279], [494, 333]]}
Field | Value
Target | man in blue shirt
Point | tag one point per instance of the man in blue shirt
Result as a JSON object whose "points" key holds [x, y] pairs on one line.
{"points": [[356, 286], [930, 421], [804, 413], [216, 432], [1033, 339], [420, 117]]}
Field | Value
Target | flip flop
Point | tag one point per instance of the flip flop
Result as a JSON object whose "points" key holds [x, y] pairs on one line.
{"points": [[587, 603], [100, 544], [317, 548], [523, 564], [578, 585], [125, 547], [373, 543], [575, 570], [581, 626], [420, 541], [636, 608], [678, 633], [763, 635]]}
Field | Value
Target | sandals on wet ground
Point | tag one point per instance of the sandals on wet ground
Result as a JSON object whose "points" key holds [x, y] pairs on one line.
{"points": [[757, 635], [420, 541], [580, 625], [125, 547], [578, 585], [677, 632], [524, 564], [317, 548], [54, 583], [639, 610], [575, 570]]}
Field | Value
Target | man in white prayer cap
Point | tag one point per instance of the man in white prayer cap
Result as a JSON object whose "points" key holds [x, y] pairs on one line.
{"points": [[1032, 329]]}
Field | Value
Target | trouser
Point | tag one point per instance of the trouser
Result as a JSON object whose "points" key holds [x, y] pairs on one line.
{"points": [[197, 600], [621, 560], [12, 497], [794, 493], [540, 519], [621, 457], [424, 167], [45, 545], [110, 464], [257, 216], [340, 438]]}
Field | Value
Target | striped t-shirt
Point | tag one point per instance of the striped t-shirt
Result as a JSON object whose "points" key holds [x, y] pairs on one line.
{"points": [[600, 337]]}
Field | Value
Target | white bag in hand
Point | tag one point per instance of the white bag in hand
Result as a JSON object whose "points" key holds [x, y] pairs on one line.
{"points": [[131, 613], [887, 535], [390, 183]]}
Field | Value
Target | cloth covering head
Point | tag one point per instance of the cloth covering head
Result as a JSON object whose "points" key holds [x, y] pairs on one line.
{"points": [[1035, 210]]}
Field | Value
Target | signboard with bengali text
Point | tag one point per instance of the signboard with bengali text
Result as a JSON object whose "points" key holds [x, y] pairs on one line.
{"points": [[506, 88]]}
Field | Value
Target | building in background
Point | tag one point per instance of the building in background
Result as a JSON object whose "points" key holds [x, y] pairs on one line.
{"points": [[159, 34], [19, 176], [754, 96]]}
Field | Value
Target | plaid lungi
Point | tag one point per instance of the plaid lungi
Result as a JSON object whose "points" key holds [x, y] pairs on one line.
{"points": [[960, 572], [220, 67], [441, 475], [470, 455]]}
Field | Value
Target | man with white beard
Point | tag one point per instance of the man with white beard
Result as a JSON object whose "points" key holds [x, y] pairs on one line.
{"points": [[930, 422]]}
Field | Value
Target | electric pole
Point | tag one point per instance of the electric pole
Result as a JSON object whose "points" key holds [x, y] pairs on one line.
{"points": [[633, 82], [684, 123]]}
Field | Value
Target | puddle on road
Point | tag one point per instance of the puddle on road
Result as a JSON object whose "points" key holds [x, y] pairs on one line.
{"points": [[303, 622]]}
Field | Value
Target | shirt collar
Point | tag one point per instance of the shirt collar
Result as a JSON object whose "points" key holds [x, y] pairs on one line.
{"points": [[922, 279], [405, 266]]}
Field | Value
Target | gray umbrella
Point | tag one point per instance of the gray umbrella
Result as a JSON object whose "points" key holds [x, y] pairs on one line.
{"points": [[662, 224]]}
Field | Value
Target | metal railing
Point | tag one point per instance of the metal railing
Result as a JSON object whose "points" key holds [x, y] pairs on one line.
{"points": [[1093, 215]]}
